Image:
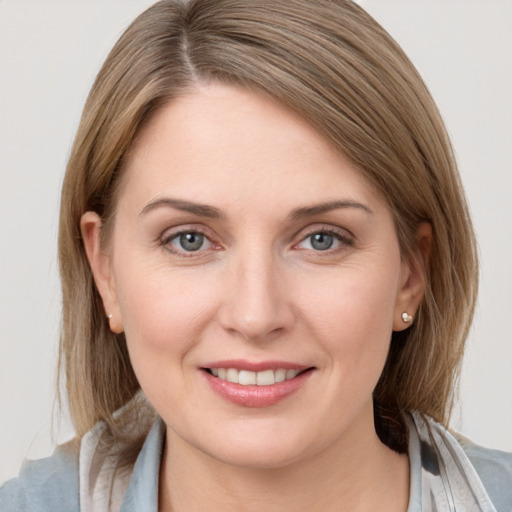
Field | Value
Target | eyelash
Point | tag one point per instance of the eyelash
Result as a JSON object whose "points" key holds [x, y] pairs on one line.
{"points": [[165, 241], [344, 239], [167, 238]]}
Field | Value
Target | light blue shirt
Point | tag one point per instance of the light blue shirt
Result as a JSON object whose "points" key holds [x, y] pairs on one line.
{"points": [[52, 484]]}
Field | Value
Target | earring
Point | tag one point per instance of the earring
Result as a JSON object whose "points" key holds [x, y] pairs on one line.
{"points": [[406, 318], [109, 316]]}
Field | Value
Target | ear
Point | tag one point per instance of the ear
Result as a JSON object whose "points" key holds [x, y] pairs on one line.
{"points": [[413, 279], [101, 266]]}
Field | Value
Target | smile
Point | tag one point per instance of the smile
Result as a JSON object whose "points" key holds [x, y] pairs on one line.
{"points": [[248, 378], [256, 384]]}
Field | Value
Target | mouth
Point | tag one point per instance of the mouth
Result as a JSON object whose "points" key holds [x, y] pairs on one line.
{"points": [[256, 385], [256, 378]]}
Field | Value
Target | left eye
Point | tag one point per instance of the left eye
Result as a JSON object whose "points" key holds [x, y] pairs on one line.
{"points": [[321, 241], [191, 241]]}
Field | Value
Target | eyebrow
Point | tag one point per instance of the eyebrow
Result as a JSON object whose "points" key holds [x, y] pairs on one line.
{"points": [[318, 209], [201, 210], [211, 212]]}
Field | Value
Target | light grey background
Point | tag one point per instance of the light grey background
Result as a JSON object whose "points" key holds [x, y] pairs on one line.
{"points": [[50, 53]]}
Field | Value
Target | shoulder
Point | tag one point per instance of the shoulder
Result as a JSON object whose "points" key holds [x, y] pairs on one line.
{"points": [[46, 484], [457, 470], [494, 467]]}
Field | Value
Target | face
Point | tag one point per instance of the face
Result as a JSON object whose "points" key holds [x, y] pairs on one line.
{"points": [[257, 278]]}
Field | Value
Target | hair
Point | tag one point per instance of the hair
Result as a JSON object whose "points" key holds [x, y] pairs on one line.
{"points": [[335, 66]]}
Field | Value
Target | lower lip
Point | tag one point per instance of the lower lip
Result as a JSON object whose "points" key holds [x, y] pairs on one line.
{"points": [[256, 396]]}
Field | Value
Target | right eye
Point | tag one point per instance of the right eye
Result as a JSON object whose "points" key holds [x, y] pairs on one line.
{"points": [[321, 241], [187, 242]]}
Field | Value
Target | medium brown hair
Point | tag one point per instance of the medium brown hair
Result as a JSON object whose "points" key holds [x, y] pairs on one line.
{"points": [[338, 68]]}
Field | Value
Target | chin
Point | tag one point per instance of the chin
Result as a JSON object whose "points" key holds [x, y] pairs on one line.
{"points": [[262, 456], [263, 445]]}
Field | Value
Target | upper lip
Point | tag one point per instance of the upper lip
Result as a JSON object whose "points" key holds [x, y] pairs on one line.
{"points": [[256, 366]]}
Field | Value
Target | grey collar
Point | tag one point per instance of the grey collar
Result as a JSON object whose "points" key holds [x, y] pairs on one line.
{"points": [[442, 477]]}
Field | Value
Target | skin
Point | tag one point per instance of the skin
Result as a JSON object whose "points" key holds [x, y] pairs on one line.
{"points": [[258, 289]]}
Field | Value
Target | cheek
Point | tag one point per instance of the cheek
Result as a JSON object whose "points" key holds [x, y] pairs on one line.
{"points": [[353, 318], [165, 318], [163, 312]]}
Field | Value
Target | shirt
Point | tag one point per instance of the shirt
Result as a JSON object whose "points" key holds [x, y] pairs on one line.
{"points": [[448, 473]]}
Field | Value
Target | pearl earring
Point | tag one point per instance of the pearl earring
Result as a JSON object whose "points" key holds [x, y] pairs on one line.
{"points": [[109, 316], [406, 318]]}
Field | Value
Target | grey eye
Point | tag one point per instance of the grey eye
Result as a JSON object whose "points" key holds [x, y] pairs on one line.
{"points": [[189, 241], [321, 241]]}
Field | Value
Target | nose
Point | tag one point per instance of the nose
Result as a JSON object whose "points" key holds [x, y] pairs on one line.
{"points": [[257, 306]]}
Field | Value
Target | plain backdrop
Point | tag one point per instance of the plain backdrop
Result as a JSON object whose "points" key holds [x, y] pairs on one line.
{"points": [[50, 53]]}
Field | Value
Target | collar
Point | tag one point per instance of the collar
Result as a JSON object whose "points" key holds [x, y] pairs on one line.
{"points": [[441, 476], [142, 491]]}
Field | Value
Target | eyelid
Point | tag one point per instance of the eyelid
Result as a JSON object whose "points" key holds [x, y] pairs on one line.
{"points": [[341, 234], [170, 234]]}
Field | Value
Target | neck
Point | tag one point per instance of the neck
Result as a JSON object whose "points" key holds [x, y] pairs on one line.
{"points": [[356, 473]]}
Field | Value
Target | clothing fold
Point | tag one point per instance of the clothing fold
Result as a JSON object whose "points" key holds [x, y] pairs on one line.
{"points": [[448, 473]]}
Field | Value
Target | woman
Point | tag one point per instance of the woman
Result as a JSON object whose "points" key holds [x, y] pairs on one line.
{"points": [[268, 274]]}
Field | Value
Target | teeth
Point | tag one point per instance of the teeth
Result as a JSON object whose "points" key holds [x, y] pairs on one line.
{"points": [[291, 373], [247, 378], [232, 375], [265, 378], [280, 375]]}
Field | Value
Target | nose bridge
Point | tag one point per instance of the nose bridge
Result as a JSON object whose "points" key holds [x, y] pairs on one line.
{"points": [[257, 304]]}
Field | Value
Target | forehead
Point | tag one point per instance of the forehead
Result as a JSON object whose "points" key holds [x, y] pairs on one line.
{"points": [[224, 143]]}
